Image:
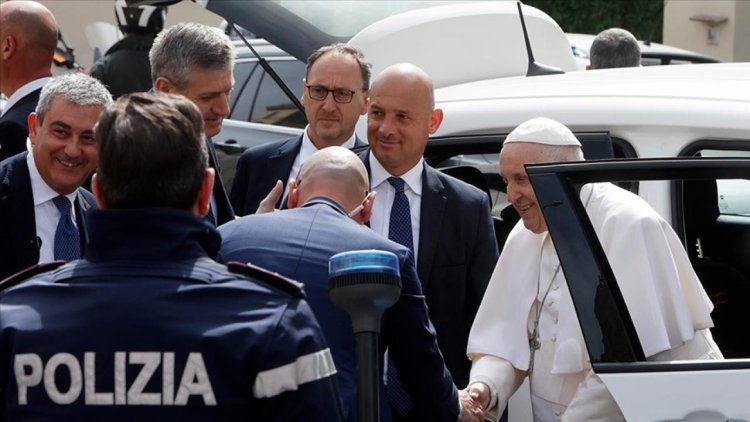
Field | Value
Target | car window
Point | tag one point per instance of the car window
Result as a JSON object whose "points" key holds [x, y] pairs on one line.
{"points": [[271, 105], [733, 195], [246, 81]]}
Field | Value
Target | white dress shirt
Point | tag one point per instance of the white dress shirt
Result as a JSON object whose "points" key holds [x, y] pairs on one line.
{"points": [[46, 214], [306, 150], [381, 208], [24, 91]]}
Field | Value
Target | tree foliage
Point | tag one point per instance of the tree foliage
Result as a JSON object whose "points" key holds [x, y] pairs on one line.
{"points": [[644, 18]]}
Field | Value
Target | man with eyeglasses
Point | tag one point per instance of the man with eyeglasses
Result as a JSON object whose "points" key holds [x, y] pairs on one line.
{"points": [[334, 96]]}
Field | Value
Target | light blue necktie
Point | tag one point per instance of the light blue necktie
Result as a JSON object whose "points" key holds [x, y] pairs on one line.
{"points": [[67, 239], [399, 231]]}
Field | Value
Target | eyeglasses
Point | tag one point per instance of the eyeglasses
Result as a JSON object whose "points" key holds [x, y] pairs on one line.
{"points": [[340, 95]]}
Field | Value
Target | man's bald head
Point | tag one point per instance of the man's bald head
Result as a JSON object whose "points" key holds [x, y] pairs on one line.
{"points": [[401, 117], [336, 173], [411, 76], [28, 37]]}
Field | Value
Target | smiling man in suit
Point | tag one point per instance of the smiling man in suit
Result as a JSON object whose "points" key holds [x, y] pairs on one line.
{"points": [[447, 221], [28, 36], [334, 94], [41, 203]]}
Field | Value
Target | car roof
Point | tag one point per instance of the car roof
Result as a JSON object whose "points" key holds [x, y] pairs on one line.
{"points": [[484, 38], [300, 27], [710, 95], [485, 41]]}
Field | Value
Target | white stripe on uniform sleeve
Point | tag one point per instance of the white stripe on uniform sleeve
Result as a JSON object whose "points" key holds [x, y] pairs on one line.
{"points": [[305, 369]]}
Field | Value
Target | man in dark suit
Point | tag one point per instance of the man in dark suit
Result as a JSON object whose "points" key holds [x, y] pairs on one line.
{"points": [[334, 93], [197, 61], [40, 191], [28, 36], [298, 242], [451, 226]]}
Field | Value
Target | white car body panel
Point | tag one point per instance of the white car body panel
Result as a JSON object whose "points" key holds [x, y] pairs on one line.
{"points": [[716, 395], [465, 42], [659, 110]]}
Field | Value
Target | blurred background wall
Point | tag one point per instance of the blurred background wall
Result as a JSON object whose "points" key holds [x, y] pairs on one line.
{"points": [[73, 16]]}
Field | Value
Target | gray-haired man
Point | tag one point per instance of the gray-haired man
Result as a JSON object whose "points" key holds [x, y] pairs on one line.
{"points": [[196, 61], [42, 206]]}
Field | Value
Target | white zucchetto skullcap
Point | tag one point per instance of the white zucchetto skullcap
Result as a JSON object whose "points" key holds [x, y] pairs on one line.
{"points": [[541, 130]]}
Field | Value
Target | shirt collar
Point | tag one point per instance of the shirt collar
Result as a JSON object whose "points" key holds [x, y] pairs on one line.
{"points": [[23, 91], [413, 177], [40, 190]]}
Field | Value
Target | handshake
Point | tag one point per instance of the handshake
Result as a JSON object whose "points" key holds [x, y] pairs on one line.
{"points": [[475, 399]]}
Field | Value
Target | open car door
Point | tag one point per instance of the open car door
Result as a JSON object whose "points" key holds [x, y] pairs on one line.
{"points": [[645, 391]]}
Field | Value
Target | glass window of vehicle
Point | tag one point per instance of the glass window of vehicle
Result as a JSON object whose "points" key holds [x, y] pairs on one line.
{"points": [[246, 81], [271, 105], [733, 196], [258, 98]]}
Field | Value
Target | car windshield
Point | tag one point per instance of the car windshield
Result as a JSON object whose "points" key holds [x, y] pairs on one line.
{"points": [[350, 17]]}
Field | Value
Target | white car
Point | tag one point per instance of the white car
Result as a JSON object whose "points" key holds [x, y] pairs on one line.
{"points": [[647, 114]]}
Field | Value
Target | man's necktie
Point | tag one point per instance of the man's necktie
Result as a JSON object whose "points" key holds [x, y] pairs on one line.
{"points": [[67, 239], [399, 231]]}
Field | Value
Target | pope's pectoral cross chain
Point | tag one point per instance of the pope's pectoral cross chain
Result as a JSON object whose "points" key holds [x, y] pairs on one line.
{"points": [[534, 343]]}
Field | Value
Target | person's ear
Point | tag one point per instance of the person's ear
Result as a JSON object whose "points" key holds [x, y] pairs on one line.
{"points": [[365, 102], [304, 92], [33, 129], [292, 200], [163, 84], [203, 201], [96, 189], [8, 47], [436, 117]]}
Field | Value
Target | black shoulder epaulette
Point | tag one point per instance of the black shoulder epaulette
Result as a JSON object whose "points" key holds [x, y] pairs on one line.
{"points": [[274, 279], [26, 274]]}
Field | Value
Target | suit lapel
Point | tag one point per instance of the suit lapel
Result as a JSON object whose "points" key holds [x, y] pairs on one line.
{"points": [[280, 166], [30, 98], [223, 212], [82, 205], [18, 202], [430, 221]]}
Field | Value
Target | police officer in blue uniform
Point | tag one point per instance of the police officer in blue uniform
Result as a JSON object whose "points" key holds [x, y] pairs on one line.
{"points": [[148, 326]]}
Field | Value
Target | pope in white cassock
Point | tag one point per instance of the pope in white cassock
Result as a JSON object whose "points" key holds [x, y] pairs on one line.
{"points": [[526, 324]]}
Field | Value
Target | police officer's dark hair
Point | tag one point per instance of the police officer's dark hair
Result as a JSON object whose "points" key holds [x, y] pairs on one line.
{"points": [[614, 47], [365, 67], [151, 152]]}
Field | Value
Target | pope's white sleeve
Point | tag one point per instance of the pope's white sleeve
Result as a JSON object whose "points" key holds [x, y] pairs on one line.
{"points": [[592, 402], [502, 378]]}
